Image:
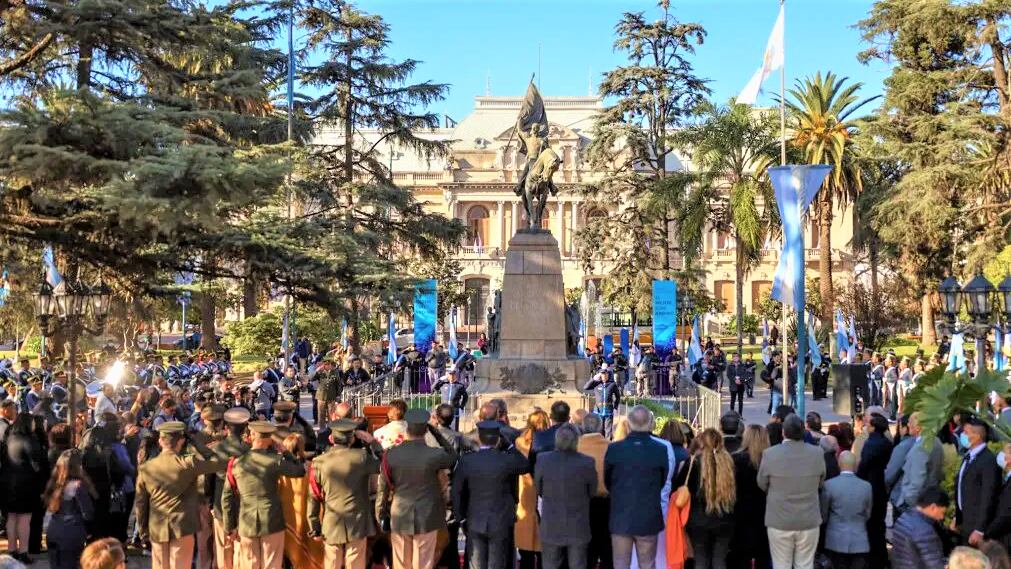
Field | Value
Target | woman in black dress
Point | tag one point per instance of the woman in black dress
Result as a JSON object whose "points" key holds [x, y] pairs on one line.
{"points": [[750, 542], [22, 483]]}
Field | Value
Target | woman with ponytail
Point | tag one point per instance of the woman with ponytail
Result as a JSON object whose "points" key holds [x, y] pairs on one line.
{"points": [[709, 477]]}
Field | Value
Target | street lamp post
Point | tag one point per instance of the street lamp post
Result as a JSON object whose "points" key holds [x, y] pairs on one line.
{"points": [[978, 296], [67, 307]]}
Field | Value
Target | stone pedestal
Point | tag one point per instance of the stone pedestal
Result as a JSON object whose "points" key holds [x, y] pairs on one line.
{"points": [[533, 299]]}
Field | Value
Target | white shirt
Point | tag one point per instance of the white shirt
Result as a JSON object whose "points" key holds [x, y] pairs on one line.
{"points": [[103, 405]]}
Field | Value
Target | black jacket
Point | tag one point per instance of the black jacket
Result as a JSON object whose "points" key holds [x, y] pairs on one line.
{"points": [[732, 372], [1000, 528], [749, 508], [24, 462], [873, 461], [980, 483], [483, 493], [565, 482], [635, 471]]}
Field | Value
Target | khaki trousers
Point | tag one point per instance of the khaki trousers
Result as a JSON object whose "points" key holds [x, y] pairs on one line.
{"points": [[205, 539], [414, 551], [224, 549], [264, 552], [174, 554], [793, 549], [352, 555]]}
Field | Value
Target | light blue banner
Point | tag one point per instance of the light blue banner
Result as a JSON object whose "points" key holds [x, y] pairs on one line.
{"points": [[623, 340], [665, 316], [426, 301]]}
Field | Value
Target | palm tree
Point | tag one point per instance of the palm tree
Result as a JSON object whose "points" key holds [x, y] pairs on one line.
{"points": [[730, 149], [822, 129]]}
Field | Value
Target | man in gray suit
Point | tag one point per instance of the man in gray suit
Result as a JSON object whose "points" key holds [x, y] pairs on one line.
{"points": [[790, 475], [922, 468], [846, 506], [566, 481]]}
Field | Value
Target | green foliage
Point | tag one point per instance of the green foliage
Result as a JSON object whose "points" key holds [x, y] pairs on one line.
{"points": [[259, 335], [573, 295], [751, 324], [940, 395], [769, 309], [661, 414], [998, 268]]}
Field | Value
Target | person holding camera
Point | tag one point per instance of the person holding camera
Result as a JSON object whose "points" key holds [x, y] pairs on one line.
{"points": [[410, 503]]}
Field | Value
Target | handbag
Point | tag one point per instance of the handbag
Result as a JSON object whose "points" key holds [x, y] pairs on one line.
{"points": [[682, 495]]}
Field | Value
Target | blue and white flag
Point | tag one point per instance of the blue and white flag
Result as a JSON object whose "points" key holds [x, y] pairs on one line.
{"points": [[5, 287], [766, 352], [998, 356], [453, 351], [812, 344], [852, 352], [391, 338], [53, 276], [344, 333], [842, 338], [795, 187], [581, 348], [1006, 350], [695, 349], [956, 354]]}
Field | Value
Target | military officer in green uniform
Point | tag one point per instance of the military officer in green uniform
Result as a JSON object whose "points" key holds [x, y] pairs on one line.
{"points": [[207, 437], [329, 386], [339, 495], [233, 445], [251, 504], [288, 421], [168, 498], [410, 496]]}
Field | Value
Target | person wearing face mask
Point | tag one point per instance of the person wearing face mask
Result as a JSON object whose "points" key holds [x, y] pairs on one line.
{"points": [[977, 482], [999, 529]]}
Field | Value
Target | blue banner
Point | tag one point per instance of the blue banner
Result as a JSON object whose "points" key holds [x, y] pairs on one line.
{"points": [[623, 340], [608, 347], [425, 309], [665, 316]]}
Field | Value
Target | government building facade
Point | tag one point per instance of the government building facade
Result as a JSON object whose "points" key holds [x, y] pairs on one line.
{"points": [[475, 185]]}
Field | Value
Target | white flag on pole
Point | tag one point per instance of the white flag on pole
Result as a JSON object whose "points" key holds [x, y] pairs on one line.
{"points": [[771, 61]]}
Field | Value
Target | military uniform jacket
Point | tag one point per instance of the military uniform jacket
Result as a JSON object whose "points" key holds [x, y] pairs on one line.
{"points": [[342, 512], [254, 506], [416, 505], [606, 395], [168, 498], [331, 386], [228, 448]]}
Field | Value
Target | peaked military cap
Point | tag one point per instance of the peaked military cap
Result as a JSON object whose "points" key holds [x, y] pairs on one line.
{"points": [[417, 416], [263, 427], [237, 415], [172, 427]]}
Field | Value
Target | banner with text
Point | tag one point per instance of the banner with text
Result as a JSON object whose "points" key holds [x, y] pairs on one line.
{"points": [[665, 316], [425, 310]]}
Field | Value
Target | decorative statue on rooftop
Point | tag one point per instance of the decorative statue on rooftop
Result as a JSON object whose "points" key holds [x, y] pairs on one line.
{"points": [[535, 183]]}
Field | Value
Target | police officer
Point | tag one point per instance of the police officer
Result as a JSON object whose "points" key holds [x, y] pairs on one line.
{"points": [[251, 504], [749, 378], [340, 513], [231, 446], [410, 502], [167, 501], [607, 397], [288, 420], [34, 396], [453, 393]]}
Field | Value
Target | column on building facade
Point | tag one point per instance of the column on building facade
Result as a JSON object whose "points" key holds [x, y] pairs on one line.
{"points": [[500, 227], [573, 225], [514, 220], [559, 225]]}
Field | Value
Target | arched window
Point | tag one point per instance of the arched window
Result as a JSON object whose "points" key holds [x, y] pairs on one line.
{"points": [[478, 291], [478, 226], [595, 214]]}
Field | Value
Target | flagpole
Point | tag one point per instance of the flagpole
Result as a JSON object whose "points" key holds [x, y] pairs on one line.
{"points": [[291, 96], [782, 162]]}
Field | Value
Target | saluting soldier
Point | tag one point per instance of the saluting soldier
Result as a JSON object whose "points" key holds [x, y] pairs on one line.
{"points": [[288, 421], [251, 503], [339, 494], [233, 445], [416, 511], [208, 436], [168, 501]]}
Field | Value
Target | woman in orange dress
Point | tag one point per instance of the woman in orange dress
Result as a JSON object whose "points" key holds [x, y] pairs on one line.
{"points": [[302, 552], [527, 528]]}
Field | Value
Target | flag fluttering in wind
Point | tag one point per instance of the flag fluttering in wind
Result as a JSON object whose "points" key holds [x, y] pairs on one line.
{"points": [[581, 348], [391, 338], [5, 287], [766, 351], [772, 60], [956, 353], [796, 187], [285, 340], [842, 338], [53, 276], [852, 352], [478, 245], [812, 344], [695, 349], [453, 351], [344, 333], [999, 361]]}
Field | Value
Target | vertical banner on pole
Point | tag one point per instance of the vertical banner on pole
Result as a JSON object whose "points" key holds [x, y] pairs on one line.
{"points": [[425, 303], [608, 346], [623, 341], [665, 316], [795, 187]]}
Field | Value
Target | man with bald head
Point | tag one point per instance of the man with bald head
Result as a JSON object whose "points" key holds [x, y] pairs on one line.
{"points": [[846, 503]]}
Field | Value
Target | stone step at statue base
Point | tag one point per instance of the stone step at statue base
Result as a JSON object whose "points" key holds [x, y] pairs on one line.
{"points": [[520, 405]]}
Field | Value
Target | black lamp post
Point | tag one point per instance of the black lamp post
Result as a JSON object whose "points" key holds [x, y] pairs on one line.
{"points": [[978, 296], [67, 307], [688, 310]]}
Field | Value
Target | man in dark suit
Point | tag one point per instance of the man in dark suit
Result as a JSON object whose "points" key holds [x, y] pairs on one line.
{"points": [[737, 379], [873, 460], [566, 481], [977, 484], [484, 500], [544, 441], [730, 426]]}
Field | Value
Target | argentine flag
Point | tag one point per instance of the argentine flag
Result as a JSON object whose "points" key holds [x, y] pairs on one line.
{"points": [[695, 349], [766, 352], [453, 352], [391, 336], [956, 354]]}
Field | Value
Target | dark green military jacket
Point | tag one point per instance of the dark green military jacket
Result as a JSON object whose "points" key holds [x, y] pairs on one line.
{"points": [[253, 507], [342, 512], [168, 497], [226, 449], [414, 504]]}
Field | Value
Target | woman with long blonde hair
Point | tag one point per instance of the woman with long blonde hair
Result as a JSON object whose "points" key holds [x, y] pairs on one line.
{"points": [[527, 529], [710, 479], [749, 508]]}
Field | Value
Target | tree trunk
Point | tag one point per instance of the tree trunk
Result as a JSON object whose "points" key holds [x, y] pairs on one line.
{"points": [[207, 307], [84, 66], [354, 342], [250, 287], [927, 320], [740, 293], [666, 242], [825, 258]]}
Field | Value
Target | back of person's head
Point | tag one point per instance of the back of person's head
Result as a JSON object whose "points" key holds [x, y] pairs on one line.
{"points": [[730, 423], [775, 431], [813, 421], [502, 407], [996, 553], [567, 438], [847, 461], [793, 428], [963, 557], [488, 411], [828, 443], [537, 420], [104, 553], [640, 419], [559, 412], [672, 433], [592, 423], [754, 442], [879, 423], [398, 407], [782, 412], [445, 414], [933, 496]]}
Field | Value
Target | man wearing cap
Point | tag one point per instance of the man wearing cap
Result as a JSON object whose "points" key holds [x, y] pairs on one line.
{"points": [[208, 437], [484, 499], [167, 501], [25, 373], [453, 393], [33, 397], [607, 396], [251, 503], [340, 512], [231, 446], [288, 421], [329, 386], [416, 511]]}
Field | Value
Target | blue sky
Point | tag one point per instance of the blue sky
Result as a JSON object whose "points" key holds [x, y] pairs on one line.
{"points": [[461, 42]]}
